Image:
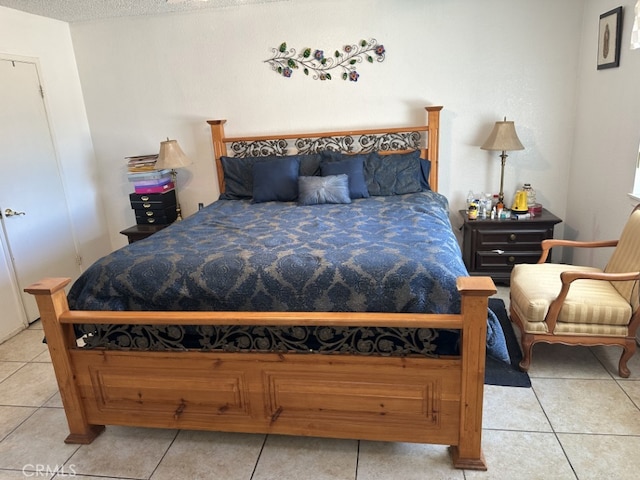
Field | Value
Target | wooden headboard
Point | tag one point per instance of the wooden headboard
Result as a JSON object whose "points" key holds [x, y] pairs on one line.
{"points": [[383, 140]]}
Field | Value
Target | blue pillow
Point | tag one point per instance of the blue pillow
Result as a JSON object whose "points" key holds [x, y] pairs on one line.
{"points": [[238, 173], [425, 168], [396, 173], [276, 180], [318, 190], [310, 164], [351, 165]]}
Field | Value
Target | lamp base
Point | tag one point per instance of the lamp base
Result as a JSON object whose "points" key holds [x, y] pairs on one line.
{"points": [[503, 157], [174, 178]]}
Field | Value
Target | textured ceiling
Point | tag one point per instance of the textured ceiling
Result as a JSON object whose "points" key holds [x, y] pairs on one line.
{"points": [[82, 10]]}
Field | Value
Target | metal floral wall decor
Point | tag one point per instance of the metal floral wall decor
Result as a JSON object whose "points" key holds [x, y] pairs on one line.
{"points": [[285, 61]]}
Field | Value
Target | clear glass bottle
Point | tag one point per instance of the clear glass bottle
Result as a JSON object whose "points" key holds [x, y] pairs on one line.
{"points": [[470, 199], [531, 195]]}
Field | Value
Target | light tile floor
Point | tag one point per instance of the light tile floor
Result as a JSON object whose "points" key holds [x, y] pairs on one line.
{"points": [[578, 421]]}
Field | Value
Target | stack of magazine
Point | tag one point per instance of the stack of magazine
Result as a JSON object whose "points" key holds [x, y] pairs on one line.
{"points": [[145, 177]]}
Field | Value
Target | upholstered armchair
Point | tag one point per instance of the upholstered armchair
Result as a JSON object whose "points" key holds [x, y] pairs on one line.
{"points": [[574, 305]]}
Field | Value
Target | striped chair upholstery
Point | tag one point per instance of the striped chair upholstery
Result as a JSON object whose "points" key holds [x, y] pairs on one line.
{"points": [[596, 310], [626, 258]]}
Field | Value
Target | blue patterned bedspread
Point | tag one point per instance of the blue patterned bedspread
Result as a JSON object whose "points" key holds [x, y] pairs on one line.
{"points": [[379, 254]]}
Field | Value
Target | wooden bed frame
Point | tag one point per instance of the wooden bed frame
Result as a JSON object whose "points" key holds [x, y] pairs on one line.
{"points": [[403, 399]]}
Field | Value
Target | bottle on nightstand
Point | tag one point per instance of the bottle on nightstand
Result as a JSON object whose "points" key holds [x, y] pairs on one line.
{"points": [[531, 194]]}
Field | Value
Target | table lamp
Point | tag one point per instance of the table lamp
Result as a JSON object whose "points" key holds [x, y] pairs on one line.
{"points": [[172, 157], [502, 138]]}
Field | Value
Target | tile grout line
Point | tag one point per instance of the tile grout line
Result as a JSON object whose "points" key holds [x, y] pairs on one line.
{"points": [[555, 434], [175, 437], [255, 466]]}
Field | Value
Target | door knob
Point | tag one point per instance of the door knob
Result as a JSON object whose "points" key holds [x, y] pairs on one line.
{"points": [[12, 213]]}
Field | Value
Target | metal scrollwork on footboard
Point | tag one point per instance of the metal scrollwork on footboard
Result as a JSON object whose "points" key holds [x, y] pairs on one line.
{"points": [[234, 338]]}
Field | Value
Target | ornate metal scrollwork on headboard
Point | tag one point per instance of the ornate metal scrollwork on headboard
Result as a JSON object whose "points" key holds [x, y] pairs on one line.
{"points": [[261, 148], [348, 144], [315, 145], [390, 142]]}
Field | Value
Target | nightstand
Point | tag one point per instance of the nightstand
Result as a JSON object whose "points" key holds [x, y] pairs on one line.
{"points": [[493, 247], [138, 232]]}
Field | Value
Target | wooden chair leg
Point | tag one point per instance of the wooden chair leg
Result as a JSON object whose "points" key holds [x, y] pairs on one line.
{"points": [[628, 350], [527, 346]]}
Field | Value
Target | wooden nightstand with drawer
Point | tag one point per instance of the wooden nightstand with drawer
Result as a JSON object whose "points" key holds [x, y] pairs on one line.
{"points": [[493, 247], [139, 232]]}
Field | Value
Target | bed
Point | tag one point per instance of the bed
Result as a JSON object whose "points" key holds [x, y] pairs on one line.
{"points": [[324, 294]]}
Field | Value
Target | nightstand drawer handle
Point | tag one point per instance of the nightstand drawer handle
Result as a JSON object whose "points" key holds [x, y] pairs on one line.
{"points": [[146, 205], [498, 251], [512, 259], [144, 198], [512, 237], [151, 220], [149, 214]]}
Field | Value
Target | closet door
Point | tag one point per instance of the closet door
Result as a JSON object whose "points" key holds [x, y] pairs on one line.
{"points": [[36, 229]]}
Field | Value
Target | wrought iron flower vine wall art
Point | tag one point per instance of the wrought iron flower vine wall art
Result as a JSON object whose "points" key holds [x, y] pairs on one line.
{"points": [[314, 62]]}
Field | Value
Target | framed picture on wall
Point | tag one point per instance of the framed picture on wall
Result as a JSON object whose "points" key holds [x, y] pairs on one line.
{"points": [[609, 37]]}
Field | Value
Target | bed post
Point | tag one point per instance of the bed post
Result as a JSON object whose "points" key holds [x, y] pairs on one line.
{"points": [[433, 142], [475, 292], [219, 148], [52, 302]]}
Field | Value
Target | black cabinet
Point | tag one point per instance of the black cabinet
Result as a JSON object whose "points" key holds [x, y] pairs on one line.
{"points": [[154, 208]]}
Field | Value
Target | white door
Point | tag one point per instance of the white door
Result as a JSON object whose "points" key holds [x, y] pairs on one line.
{"points": [[35, 219], [12, 317]]}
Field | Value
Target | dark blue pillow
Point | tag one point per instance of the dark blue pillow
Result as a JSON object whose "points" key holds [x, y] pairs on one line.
{"points": [[425, 168], [310, 164], [238, 173], [276, 180], [351, 165], [396, 173]]}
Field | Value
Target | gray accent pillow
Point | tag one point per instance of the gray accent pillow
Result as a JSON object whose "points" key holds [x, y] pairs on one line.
{"points": [[329, 189]]}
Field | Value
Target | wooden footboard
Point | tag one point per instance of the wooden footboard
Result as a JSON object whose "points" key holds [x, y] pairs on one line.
{"points": [[407, 399]]}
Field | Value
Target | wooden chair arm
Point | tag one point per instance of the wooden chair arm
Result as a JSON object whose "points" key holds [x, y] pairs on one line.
{"points": [[569, 277], [549, 243]]}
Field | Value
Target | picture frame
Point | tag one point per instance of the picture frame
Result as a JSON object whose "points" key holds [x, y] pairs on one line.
{"points": [[609, 39]]}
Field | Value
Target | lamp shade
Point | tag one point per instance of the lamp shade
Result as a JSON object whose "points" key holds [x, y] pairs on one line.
{"points": [[171, 156], [503, 137]]}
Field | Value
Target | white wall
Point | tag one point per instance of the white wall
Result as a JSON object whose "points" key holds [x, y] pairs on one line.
{"points": [[148, 78], [49, 41], [607, 135]]}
